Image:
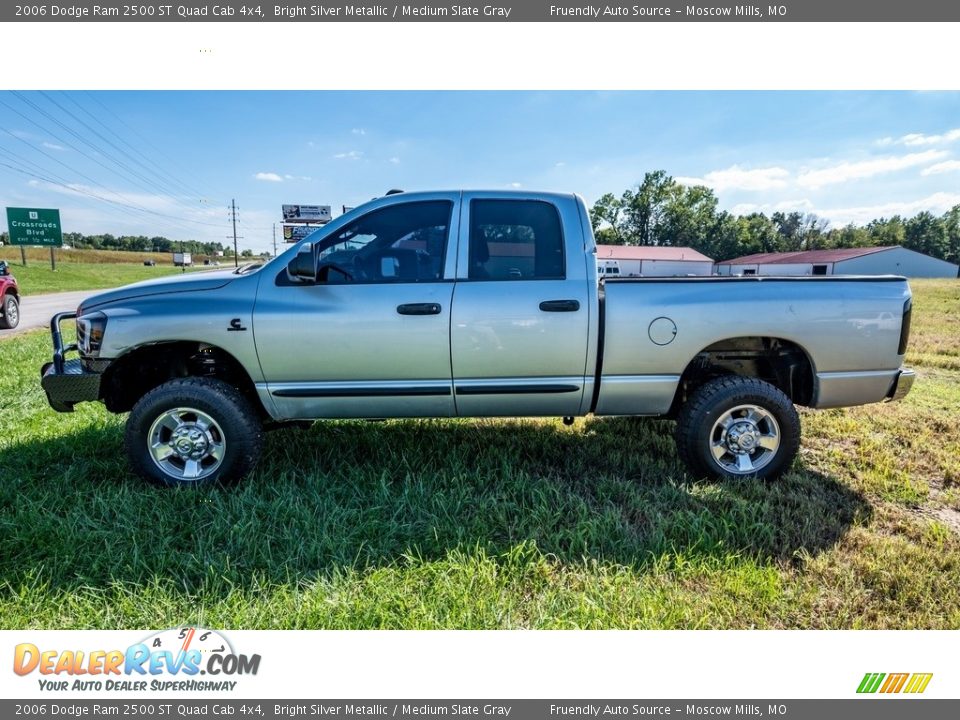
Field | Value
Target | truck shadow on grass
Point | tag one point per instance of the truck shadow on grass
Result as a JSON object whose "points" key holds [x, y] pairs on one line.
{"points": [[354, 495]]}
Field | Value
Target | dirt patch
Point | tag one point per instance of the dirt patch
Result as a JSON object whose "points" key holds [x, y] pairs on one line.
{"points": [[949, 517]]}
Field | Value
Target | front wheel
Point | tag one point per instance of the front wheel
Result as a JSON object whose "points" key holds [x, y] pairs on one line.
{"points": [[193, 432], [10, 317], [735, 427]]}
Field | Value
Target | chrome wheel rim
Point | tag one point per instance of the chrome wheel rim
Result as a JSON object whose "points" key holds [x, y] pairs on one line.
{"points": [[13, 314], [744, 440], [186, 444]]}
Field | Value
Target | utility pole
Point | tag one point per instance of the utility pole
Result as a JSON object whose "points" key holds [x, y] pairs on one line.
{"points": [[274, 239], [233, 218]]}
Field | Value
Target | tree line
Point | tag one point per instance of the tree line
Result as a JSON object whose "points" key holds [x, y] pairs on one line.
{"points": [[141, 243], [662, 211]]}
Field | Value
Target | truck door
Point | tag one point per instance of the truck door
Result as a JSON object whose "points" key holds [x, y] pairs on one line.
{"points": [[372, 337], [520, 321]]}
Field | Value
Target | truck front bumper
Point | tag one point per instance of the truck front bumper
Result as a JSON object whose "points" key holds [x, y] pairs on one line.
{"points": [[67, 382], [901, 384]]}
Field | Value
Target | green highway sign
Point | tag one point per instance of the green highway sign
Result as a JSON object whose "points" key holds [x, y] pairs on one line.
{"points": [[34, 226]]}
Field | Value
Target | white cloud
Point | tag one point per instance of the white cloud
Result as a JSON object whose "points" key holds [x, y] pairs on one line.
{"points": [[942, 167], [920, 139], [305, 178], [560, 164], [937, 203], [351, 155], [846, 171], [738, 178], [52, 146], [395, 160], [268, 176], [358, 131], [515, 185]]}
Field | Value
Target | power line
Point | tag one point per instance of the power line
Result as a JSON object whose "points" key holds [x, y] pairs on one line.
{"points": [[165, 187], [133, 130], [145, 183], [55, 180], [175, 186], [131, 175]]}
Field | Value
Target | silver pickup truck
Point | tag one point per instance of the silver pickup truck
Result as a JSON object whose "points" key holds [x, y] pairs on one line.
{"points": [[473, 304]]}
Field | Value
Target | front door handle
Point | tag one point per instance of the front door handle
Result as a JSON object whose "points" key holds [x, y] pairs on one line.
{"points": [[560, 305], [419, 309]]}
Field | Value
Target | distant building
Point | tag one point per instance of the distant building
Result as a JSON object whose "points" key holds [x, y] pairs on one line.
{"points": [[887, 260], [651, 261]]}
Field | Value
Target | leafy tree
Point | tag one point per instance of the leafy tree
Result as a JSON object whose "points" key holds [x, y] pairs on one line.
{"points": [[926, 233], [661, 211], [605, 218], [951, 221]]}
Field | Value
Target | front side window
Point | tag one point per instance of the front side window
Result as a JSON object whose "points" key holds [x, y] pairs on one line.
{"points": [[399, 243], [515, 240]]}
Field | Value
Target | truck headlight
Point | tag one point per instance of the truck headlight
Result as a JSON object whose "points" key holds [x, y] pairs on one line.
{"points": [[90, 329]]}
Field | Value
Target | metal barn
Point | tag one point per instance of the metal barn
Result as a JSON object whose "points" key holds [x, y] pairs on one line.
{"points": [[887, 260]]}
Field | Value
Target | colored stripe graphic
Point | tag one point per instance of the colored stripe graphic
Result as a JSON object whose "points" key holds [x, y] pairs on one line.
{"points": [[870, 682], [894, 683], [918, 683]]}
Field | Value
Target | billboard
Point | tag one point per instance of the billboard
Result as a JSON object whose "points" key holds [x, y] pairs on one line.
{"points": [[296, 233], [306, 213]]}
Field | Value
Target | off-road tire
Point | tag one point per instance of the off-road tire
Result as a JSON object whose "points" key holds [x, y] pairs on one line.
{"points": [[708, 403], [240, 424]]}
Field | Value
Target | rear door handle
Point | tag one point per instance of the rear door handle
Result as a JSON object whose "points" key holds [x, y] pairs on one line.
{"points": [[419, 309], [560, 305]]}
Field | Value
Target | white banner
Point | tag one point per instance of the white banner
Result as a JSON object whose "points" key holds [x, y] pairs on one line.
{"points": [[478, 664]]}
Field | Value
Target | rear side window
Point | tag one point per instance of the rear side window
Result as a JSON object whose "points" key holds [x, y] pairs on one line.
{"points": [[515, 240]]}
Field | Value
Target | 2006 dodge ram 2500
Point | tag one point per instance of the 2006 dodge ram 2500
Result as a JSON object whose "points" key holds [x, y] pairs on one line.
{"points": [[472, 304]]}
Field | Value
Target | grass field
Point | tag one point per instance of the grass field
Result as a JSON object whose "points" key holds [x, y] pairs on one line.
{"points": [[85, 269], [493, 524]]}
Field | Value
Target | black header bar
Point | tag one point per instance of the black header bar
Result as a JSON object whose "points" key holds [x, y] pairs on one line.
{"points": [[502, 11]]}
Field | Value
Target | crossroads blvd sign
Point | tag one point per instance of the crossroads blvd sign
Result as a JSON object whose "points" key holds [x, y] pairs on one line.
{"points": [[34, 226]]}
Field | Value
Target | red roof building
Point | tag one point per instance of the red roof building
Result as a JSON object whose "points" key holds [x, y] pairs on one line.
{"points": [[651, 261]]}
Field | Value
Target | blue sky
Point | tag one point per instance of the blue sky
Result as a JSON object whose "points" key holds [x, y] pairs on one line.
{"points": [[171, 161]]}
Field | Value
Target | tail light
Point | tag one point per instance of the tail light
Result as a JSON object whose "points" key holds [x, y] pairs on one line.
{"points": [[905, 326]]}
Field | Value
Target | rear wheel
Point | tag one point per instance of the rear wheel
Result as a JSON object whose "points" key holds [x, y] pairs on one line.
{"points": [[193, 432], [735, 427], [10, 317]]}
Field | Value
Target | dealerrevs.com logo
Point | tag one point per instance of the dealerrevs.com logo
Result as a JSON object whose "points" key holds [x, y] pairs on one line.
{"points": [[169, 660]]}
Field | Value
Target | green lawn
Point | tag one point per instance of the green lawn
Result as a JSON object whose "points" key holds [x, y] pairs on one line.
{"points": [[492, 523], [37, 278]]}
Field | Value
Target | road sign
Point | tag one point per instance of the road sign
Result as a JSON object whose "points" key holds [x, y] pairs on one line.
{"points": [[34, 226]]}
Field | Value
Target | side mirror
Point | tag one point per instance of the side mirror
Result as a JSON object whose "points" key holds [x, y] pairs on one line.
{"points": [[303, 267]]}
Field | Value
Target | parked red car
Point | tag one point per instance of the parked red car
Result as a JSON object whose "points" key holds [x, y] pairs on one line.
{"points": [[9, 298]]}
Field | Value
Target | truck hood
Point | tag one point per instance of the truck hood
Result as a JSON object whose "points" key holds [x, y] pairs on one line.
{"points": [[161, 286]]}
